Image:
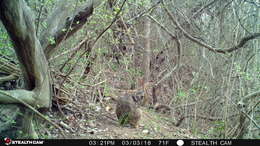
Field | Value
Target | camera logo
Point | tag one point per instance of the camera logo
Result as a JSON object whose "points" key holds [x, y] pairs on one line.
{"points": [[8, 141]]}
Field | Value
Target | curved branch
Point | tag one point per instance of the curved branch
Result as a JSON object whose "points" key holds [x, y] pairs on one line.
{"points": [[241, 43], [15, 96], [8, 78], [113, 21], [163, 27]]}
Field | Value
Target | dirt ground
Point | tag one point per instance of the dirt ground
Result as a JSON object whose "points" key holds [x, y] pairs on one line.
{"points": [[99, 123]]}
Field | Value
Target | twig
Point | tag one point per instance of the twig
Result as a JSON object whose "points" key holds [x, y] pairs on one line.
{"points": [[144, 12], [166, 76], [113, 21], [39, 16], [163, 27], [246, 115], [251, 95], [8, 78], [204, 7]]}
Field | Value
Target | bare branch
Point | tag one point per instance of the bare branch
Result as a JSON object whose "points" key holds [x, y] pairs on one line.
{"points": [[203, 7], [144, 12], [241, 43], [251, 95], [8, 78], [163, 27]]}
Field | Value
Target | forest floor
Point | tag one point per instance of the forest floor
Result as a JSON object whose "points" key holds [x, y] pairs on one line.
{"points": [[103, 124], [151, 126]]}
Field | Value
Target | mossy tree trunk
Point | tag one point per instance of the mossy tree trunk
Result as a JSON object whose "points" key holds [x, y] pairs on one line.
{"points": [[18, 21]]}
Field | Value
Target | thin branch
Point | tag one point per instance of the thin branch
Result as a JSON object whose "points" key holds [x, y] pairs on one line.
{"points": [[8, 78], [144, 12], [210, 118], [162, 27], [113, 21], [257, 4], [167, 75], [251, 95], [39, 16], [236, 7], [245, 113], [247, 116], [203, 7]]}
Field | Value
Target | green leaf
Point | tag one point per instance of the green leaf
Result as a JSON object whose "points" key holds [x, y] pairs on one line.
{"points": [[52, 40]]}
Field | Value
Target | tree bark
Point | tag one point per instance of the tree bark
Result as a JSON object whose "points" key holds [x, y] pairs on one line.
{"points": [[147, 60], [147, 50]]}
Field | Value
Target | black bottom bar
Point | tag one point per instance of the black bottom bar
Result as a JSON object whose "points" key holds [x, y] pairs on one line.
{"points": [[133, 142]]}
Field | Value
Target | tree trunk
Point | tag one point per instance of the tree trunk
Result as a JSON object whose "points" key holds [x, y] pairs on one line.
{"points": [[17, 19], [147, 50], [147, 60]]}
